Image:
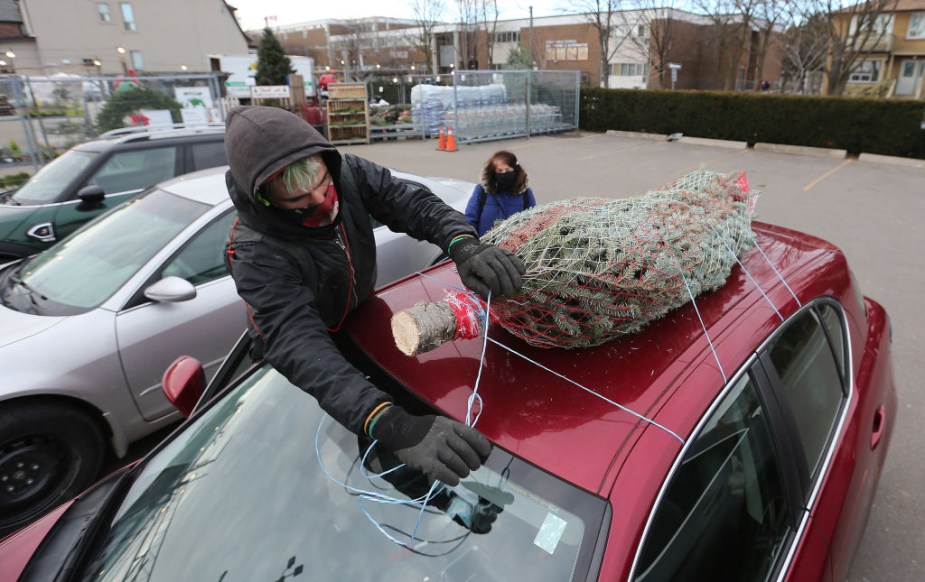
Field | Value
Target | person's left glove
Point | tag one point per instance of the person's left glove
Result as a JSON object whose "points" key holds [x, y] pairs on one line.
{"points": [[485, 267], [441, 448]]}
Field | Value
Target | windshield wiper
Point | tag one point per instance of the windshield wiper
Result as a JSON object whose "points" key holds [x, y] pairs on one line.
{"points": [[17, 280]]}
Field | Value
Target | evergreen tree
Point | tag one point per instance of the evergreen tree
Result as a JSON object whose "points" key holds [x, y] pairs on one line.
{"points": [[519, 59], [272, 63]]}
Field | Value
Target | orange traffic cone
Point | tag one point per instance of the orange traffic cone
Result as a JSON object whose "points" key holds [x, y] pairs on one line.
{"points": [[450, 140], [441, 142]]}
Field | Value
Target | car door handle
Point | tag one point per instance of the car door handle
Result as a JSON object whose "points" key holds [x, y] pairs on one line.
{"points": [[879, 422]]}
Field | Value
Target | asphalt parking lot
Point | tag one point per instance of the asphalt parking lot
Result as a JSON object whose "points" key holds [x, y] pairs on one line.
{"points": [[873, 211]]}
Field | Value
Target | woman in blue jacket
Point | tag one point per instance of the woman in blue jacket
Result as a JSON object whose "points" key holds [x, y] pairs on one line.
{"points": [[503, 192]]}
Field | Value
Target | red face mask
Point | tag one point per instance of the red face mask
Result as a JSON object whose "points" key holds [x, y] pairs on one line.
{"points": [[317, 215]]}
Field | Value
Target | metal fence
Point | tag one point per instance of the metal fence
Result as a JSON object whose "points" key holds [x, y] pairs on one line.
{"points": [[42, 116], [482, 105]]}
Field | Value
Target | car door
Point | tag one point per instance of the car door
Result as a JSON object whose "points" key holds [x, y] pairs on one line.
{"points": [[122, 176], [742, 504], [206, 154], [809, 366], [152, 334]]}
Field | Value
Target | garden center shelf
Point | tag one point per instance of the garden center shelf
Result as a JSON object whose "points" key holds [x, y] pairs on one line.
{"points": [[348, 113]]}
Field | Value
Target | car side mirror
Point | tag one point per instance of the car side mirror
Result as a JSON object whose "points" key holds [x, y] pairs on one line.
{"points": [[171, 290], [91, 195], [183, 383]]}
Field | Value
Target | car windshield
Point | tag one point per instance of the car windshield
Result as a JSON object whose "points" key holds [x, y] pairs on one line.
{"points": [[259, 488], [46, 185], [82, 271]]}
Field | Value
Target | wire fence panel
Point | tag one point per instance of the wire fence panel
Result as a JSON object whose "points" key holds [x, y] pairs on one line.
{"points": [[492, 105], [44, 116]]}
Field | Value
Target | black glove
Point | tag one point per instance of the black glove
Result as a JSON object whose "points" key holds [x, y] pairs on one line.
{"points": [[484, 267], [441, 448]]}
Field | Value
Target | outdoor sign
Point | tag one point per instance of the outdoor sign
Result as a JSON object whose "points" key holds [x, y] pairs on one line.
{"points": [[198, 106], [195, 116], [270, 92], [194, 96]]}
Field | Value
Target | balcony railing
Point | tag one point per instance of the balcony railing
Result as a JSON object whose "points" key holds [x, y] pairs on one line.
{"points": [[875, 43]]}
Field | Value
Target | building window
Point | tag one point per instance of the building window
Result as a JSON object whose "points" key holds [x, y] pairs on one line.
{"points": [[137, 62], [507, 36], [916, 25], [103, 10], [128, 16], [566, 50], [866, 72], [629, 69]]}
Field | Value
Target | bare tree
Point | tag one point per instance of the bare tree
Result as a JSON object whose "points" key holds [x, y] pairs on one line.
{"points": [[427, 15], [853, 32], [657, 19], [468, 14], [488, 17], [732, 22], [770, 18], [806, 49], [603, 16]]}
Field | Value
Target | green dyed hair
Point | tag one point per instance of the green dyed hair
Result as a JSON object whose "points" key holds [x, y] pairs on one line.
{"points": [[299, 175]]}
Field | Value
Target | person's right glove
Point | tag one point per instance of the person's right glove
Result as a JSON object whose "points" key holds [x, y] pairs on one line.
{"points": [[484, 267], [441, 448]]}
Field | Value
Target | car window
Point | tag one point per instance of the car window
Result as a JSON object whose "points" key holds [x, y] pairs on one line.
{"points": [[135, 169], [724, 515], [98, 259], [202, 259], [209, 155], [262, 468], [48, 183], [810, 379]]}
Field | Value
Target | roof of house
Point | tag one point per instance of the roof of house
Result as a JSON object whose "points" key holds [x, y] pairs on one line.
{"points": [[909, 5], [9, 11]]}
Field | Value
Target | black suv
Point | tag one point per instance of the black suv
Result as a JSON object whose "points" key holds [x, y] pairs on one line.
{"points": [[95, 176]]}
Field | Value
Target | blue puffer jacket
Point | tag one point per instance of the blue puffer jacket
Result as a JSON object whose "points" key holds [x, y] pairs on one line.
{"points": [[497, 207]]}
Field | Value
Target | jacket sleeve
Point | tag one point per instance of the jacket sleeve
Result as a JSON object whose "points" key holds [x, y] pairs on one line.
{"points": [[297, 344], [531, 199], [403, 208], [472, 208]]}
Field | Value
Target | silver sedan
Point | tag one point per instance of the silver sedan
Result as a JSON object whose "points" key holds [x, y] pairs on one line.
{"points": [[88, 327]]}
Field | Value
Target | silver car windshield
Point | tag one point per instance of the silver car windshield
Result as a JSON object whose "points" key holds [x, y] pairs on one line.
{"points": [[85, 269], [46, 185], [257, 489]]}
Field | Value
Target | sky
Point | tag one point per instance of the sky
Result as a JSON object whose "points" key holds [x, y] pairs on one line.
{"points": [[251, 13]]}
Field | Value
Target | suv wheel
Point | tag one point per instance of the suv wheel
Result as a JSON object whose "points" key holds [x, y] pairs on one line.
{"points": [[49, 452]]}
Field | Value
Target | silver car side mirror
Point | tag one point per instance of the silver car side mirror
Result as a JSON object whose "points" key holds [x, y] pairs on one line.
{"points": [[171, 290]]}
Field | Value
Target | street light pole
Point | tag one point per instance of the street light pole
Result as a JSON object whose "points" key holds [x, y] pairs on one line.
{"points": [[121, 51]]}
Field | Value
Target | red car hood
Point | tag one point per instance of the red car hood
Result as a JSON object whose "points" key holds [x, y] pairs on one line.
{"points": [[17, 549]]}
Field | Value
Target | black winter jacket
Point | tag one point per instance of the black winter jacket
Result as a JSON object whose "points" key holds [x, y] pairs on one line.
{"points": [[299, 283]]}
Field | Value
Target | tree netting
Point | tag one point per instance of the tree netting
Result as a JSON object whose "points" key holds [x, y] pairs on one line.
{"points": [[601, 268]]}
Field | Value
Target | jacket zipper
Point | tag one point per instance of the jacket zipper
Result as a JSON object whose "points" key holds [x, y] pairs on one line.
{"points": [[351, 291]]}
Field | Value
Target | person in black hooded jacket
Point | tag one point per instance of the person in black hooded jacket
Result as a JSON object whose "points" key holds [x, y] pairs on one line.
{"points": [[302, 254]]}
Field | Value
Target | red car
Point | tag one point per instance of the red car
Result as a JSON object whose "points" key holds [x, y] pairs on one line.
{"points": [[651, 457]]}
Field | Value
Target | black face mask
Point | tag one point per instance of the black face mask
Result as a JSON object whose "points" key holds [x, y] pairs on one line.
{"points": [[506, 181]]}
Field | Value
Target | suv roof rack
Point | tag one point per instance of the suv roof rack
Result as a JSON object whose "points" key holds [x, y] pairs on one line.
{"points": [[160, 131]]}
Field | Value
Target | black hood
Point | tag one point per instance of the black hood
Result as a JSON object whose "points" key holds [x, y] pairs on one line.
{"points": [[259, 142]]}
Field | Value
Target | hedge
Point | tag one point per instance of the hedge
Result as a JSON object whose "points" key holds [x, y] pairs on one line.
{"points": [[858, 125]]}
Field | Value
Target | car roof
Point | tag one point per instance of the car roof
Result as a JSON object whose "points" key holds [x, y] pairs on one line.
{"points": [[665, 372], [205, 186], [110, 140]]}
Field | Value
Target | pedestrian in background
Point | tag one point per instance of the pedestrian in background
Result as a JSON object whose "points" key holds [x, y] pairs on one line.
{"points": [[503, 192]]}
